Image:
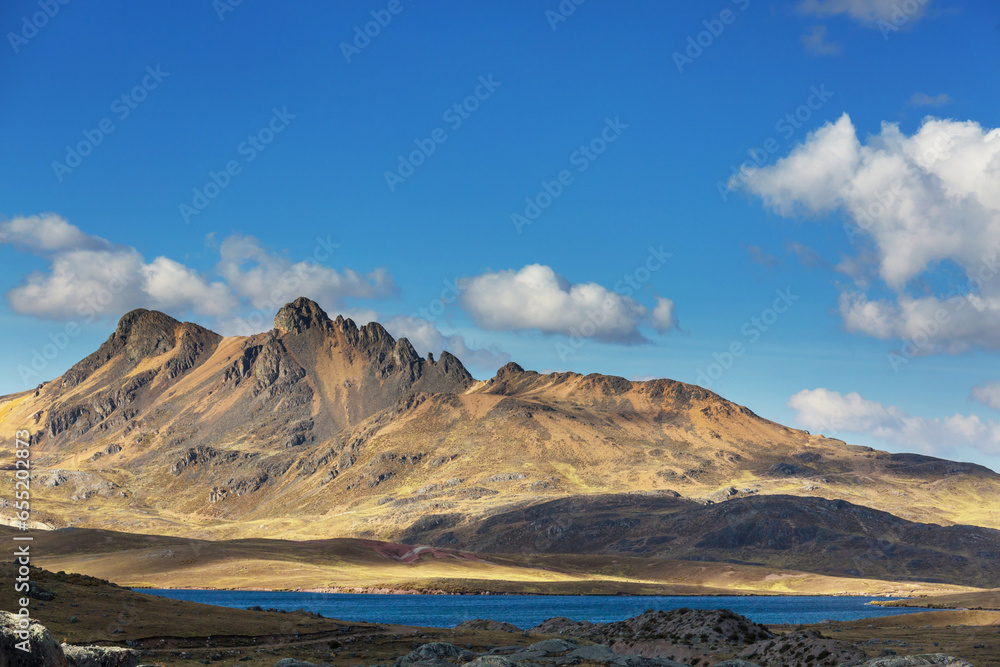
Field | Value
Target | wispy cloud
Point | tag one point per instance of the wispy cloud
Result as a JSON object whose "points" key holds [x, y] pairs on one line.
{"points": [[815, 42], [822, 410]]}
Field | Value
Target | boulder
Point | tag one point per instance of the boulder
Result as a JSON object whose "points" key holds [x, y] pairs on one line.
{"points": [[490, 661], [44, 650], [436, 652], [554, 646], [916, 661], [100, 656]]}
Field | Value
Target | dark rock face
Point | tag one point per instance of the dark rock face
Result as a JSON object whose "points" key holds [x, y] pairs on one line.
{"points": [[301, 315], [143, 333]]}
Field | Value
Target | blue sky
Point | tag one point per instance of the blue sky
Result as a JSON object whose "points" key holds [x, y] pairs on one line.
{"points": [[257, 155]]}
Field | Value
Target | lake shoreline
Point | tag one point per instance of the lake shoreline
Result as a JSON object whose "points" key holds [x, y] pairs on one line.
{"points": [[380, 590]]}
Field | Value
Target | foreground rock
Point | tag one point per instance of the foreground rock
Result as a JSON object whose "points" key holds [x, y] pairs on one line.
{"points": [[684, 635], [485, 624], [803, 647], [917, 661], [45, 651], [549, 652]]}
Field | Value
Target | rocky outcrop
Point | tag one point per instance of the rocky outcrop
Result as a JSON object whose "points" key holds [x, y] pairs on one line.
{"points": [[916, 661], [485, 624], [44, 651], [140, 334], [550, 652], [679, 634], [100, 656], [803, 647], [301, 315]]}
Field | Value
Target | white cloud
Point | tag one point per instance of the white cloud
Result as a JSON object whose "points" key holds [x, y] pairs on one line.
{"points": [[925, 100], [821, 410], [425, 337], [47, 233], [89, 277], [988, 394], [922, 202], [662, 317], [268, 280], [866, 12], [815, 42], [536, 297], [173, 286]]}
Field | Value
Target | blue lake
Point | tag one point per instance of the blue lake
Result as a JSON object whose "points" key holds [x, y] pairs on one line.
{"points": [[525, 611]]}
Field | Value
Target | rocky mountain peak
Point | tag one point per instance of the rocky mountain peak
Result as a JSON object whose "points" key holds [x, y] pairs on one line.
{"points": [[140, 333], [404, 354], [301, 315], [511, 368]]}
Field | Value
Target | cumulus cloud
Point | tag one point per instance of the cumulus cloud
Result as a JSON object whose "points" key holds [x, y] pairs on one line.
{"points": [[921, 202], [816, 43], [988, 394], [89, 277], [47, 233], [268, 279], [536, 297], [866, 12], [426, 337], [662, 317], [822, 410]]}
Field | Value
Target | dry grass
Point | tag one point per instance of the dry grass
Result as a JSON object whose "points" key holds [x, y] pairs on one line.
{"points": [[169, 562]]}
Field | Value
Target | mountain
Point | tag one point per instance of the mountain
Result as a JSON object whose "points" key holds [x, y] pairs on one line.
{"points": [[319, 428]]}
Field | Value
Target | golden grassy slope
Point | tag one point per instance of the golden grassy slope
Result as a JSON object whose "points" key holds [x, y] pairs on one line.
{"points": [[348, 564]]}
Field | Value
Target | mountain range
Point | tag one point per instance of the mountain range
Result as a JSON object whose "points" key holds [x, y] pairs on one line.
{"points": [[320, 428]]}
